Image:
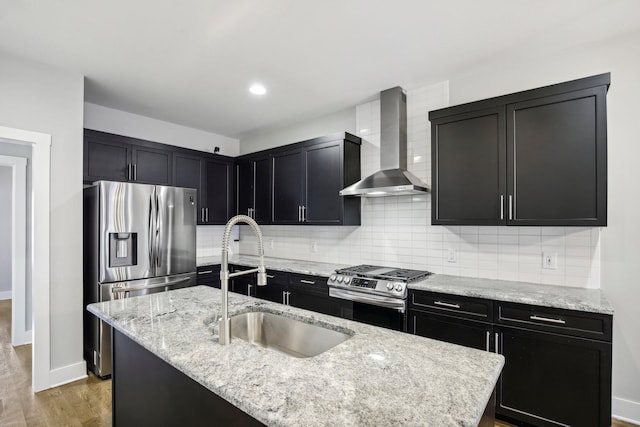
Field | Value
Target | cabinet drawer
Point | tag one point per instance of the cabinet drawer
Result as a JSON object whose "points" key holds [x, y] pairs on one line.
{"points": [[567, 322], [277, 277], [208, 274], [307, 283], [453, 305]]}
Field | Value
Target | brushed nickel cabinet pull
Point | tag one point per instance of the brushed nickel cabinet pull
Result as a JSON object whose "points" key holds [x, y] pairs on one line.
{"points": [[502, 206], [488, 333], [446, 304], [497, 341], [205, 272], [308, 282], [547, 319], [510, 207]]}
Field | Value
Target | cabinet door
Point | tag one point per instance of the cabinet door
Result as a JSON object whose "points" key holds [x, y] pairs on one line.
{"points": [[262, 190], [452, 330], [245, 285], [208, 275], [188, 172], [468, 179], [320, 302], [287, 187], [217, 192], [244, 187], [323, 174], [152, 166], [106, 159], [551, 380], [557, 161]]}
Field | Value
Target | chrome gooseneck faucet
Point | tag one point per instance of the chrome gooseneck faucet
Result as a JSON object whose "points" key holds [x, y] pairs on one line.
{"points": [[225, 330]]}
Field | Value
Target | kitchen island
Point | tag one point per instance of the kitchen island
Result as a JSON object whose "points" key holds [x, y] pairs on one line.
{"points": [[376, 377]]}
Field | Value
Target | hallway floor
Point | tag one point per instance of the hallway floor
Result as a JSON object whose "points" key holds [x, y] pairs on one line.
{"points": [[81, 403]]}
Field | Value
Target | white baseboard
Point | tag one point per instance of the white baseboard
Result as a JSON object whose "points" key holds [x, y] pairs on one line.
{"points": [[5, 295], [67, 374], [625, 410]]}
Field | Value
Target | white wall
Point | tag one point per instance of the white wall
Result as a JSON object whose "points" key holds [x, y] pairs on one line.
{"points": [[39, 98], [341, 121], [606, 258], [105, 119], [6, 207]]}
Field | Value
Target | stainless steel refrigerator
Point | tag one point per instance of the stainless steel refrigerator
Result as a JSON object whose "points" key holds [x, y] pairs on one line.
{"points": [[138, 239]]}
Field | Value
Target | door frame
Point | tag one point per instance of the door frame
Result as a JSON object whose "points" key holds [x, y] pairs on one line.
{"points": [[40, 264], [20, 335]]}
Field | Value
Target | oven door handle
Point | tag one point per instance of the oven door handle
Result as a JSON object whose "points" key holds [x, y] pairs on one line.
{"points": [[381, 301]]}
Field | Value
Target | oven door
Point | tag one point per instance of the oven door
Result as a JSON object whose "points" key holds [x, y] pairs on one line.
{"points": [[374, 310]]}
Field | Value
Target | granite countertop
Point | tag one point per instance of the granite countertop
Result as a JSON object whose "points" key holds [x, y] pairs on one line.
{"points": [[377, 377], [281, 264], [589, 300]]}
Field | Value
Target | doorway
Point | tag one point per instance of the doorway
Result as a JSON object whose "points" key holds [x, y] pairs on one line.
{"points": [[38, 255], [13, 246]]}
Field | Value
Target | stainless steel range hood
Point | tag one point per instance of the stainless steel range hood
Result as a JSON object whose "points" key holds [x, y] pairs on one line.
{"points": [[394, 179]]}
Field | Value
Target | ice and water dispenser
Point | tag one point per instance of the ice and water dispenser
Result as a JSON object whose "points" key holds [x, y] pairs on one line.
{"points": [[123, 249]]}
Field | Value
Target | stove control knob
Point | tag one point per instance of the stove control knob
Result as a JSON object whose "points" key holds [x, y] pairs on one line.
{"points": [[390, 286], [332, 278], [339, 279], [398, 287], [347, 279]]}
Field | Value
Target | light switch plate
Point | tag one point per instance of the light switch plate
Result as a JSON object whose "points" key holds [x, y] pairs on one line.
{"points": [[550, 260]]}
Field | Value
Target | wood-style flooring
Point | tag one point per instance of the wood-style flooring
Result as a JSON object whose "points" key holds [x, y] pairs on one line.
{"points": [[85, 403]]}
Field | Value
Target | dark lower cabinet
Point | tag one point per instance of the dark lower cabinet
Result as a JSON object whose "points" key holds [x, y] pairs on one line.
{"points": [[147, 391], [245, 284], [551, 380], [456, 331], [208, 275], [557, 368]]}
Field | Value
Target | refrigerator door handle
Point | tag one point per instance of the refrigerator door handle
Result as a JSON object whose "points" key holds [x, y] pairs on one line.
{"points": [[158, 234], [150, 239], [157, 285]]}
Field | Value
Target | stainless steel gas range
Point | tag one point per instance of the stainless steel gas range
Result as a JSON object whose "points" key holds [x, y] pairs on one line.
{"points": [[379, 294]]}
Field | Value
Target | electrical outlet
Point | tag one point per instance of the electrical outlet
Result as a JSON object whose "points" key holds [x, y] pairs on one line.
{"points": [[314, 247], [452, 256], [550, 260], [271, 244]]}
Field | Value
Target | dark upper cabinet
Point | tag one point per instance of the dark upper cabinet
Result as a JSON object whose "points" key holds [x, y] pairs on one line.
{"points": [[217, 191], [253, 188], [531, 158], [119, 158], [469, 162], [211, 175], [307, 178], [288, 185], [557, 159], [152, 166], [105, 158]]}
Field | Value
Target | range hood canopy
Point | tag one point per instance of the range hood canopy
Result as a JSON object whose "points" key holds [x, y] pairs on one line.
{"points": [[394, 179]]}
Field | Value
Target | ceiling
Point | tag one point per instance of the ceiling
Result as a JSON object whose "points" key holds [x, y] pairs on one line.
{"points": [[191, 62]]}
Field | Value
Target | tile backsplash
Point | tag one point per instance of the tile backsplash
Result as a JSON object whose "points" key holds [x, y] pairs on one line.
{"points": [[396, 230]]}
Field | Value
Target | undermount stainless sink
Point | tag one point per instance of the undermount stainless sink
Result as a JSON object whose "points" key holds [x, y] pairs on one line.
{"points": [[290, 336]]}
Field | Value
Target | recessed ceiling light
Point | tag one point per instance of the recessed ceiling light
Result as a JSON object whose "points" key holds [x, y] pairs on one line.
{"points": [[257, 89]]}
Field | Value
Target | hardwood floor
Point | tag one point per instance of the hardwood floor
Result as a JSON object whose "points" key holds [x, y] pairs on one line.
{"points": [[81, 403], [85, 403]]}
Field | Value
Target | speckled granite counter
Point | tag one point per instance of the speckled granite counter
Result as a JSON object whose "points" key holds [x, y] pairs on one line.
{"points": [[590, 300], [377, 377], [280, 264]]}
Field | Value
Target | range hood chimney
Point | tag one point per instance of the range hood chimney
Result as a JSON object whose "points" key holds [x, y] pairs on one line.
{"points": [[393, 179]]}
